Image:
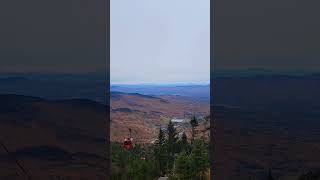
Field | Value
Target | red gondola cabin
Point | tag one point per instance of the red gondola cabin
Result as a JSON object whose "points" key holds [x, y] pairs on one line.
{"points": [[128, 143]]}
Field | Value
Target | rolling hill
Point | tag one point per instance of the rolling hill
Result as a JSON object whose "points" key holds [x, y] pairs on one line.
{"points": [[144, 114], [266, 121], [52, 138]]}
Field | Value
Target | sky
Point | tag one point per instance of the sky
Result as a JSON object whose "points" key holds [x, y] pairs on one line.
{"points": [[56, 36], [159, 42], [266, 34]]}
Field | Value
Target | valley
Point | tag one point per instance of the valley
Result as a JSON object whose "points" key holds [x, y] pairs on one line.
{"points": [[52, 139], [145, 114]]}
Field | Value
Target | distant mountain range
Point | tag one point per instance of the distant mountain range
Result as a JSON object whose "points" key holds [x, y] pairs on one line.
{"points": [[55, 88], [52, 137], [200, 92], [270, 92], [93, 88]]}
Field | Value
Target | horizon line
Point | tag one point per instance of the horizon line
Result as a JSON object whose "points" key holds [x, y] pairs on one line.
{"points": [[158, 84]]}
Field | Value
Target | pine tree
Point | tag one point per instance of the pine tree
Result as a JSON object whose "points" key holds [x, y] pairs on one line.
{"points": [[140, 169], [171, 144], [119, 161], [160, 153], [194, 124], [183, 167], [200, 159], [184, 144]]}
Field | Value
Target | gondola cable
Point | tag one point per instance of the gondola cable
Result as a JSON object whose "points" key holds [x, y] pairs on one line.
{"points": [[25, 172]]}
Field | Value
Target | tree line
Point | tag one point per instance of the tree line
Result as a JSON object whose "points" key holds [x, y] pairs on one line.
{"points": [[171, 156]]}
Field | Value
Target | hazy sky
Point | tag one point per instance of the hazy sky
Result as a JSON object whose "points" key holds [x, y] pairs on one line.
{"points": [[53, 36], [268, 34], [160, 41]]}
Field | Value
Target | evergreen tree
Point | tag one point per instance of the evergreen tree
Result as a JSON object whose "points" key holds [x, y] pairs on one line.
{"points": [[200, 159], [183, 167], [171, 144], [194, 124], [140, 169], [119, 161], [184, 144], [160, 153]]}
